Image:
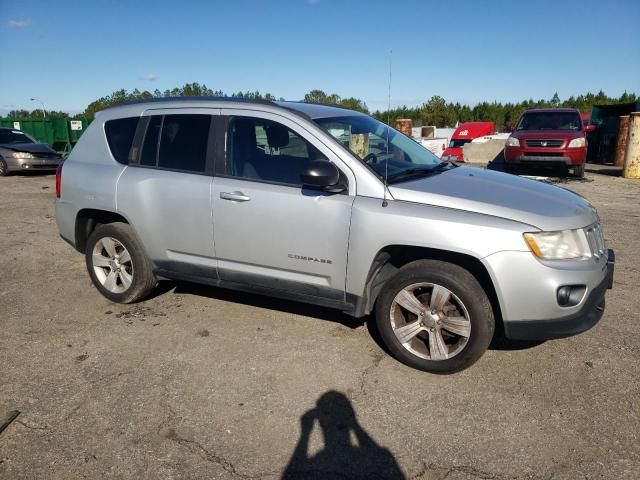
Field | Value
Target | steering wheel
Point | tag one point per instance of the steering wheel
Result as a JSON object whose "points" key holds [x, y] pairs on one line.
{"points": [[370, 159]]}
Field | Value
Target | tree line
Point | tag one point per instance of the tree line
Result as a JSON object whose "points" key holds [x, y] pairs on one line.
{"points": [[435, 111]]}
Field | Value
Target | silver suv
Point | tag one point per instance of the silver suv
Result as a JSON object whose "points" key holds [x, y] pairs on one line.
{"points": [[329, 206]]}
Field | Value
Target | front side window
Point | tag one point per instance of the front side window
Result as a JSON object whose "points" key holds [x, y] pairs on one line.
{"points": [[120, 133], [261, 149], [456, 143], [177, 142]]}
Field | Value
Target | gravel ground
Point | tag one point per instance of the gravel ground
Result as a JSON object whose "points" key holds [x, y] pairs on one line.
{"points": [[204, 383]]}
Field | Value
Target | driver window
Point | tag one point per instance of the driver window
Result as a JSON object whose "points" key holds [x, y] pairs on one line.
{"points": [[261, 149]]}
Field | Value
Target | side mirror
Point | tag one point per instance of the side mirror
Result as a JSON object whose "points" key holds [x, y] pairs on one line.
{"points": [[590, 128], [322, 174]]}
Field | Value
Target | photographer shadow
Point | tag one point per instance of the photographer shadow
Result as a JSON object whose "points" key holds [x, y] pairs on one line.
{"points": [[340, 457]]}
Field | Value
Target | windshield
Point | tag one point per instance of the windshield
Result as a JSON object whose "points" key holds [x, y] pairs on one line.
{"points": [[367, 139], [8, 137], [458, 143], [550, 121]]}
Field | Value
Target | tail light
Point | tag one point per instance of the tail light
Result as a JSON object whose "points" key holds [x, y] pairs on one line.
{"points": [[59, 180]]}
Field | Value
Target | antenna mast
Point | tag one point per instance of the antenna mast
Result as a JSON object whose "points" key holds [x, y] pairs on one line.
{"points": [[386, 161]]}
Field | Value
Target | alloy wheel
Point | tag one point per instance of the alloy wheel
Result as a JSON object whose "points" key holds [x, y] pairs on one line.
{"points": [[112, 265], [430, 321]]}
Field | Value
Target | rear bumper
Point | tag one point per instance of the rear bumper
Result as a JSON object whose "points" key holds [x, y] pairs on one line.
{"points": [[573, 324]]}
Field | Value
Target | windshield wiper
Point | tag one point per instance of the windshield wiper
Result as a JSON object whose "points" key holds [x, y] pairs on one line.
{"points": [[446, 163], [410, 173]]}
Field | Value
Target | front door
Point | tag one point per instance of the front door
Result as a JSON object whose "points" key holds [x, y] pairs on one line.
{"points": [[269, 231]]}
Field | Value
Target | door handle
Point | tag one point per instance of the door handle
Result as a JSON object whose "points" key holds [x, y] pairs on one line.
{"points": [[234, 196]]}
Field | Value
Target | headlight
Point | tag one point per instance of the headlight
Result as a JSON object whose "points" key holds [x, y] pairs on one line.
{"points": [[562, 245], [22, 155], [577, 142], [513, 142]]}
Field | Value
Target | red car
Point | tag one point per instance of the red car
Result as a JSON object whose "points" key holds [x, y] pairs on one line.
{"points": [[549, 137], [464, 134]]}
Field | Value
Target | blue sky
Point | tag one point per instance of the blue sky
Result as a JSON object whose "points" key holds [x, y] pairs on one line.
{"points": [[68, 53]]}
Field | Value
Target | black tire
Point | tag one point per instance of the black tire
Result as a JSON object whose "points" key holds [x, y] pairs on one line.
{"points": [[509, 168], [465, 287], [578, 171], [143, 281], [4, 170]]}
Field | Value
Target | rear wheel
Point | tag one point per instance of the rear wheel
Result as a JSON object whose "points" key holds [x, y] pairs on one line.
{"points": [[435, 316], [117, 264]]}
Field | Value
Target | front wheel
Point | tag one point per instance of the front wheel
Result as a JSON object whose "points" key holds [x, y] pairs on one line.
{"points": [[435, 316], [578, 171], [117, 264], [4, 169]]}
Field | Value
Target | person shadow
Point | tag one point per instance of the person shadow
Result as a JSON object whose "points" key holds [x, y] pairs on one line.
{"points": [[340, 457]]}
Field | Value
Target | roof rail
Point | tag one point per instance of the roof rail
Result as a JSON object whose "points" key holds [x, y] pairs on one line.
{"points": [[191, 99]]}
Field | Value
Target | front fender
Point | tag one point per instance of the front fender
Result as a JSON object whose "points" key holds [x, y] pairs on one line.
{"points": [[374, 227]]}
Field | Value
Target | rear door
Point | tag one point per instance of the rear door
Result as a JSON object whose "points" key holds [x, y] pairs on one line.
{"points": [[270, 232], [166, 191]]}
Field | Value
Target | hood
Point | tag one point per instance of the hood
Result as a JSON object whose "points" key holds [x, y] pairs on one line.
{"points": [[548, 134], [535, 203], [29, 147], [453, 151]]}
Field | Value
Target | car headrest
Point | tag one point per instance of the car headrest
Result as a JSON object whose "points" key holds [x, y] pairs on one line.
{"points": [[277, 135], [244, 133]]}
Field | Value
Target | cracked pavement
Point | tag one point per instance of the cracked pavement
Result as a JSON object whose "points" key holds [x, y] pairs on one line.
{"points": [[205, 383]]}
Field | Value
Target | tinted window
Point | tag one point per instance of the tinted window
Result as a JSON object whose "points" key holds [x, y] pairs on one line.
{"points": [[266, 150], [120, 135], [458, 143], [150, 145], [550, 121], [183, 142], [8, 137]]}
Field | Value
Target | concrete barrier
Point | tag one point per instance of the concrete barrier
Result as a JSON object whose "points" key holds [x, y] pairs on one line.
{"points": [[483, 153]]}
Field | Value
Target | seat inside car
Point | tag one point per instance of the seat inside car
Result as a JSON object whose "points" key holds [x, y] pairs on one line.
{"points": [[249, 160]]}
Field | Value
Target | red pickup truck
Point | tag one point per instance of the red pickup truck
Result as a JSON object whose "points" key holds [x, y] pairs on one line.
{"points": [[464, 134], [550, 136]]}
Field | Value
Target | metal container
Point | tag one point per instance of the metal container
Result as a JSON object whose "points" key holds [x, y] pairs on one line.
{"points": [[631, 167], [404, 125], [60, 133], [623, 130]]}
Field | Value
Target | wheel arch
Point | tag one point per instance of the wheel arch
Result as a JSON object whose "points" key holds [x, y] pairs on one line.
{"points": [[393, 257], [88, 219]]}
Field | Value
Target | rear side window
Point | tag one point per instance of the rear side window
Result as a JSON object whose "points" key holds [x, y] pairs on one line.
{"points": [[177, 142], [120, 135]]}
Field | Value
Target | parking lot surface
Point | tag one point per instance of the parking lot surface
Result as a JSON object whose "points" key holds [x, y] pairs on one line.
{"points": [[204, 383]]}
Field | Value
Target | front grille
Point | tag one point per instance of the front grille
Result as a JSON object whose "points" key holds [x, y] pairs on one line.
{"points": [[45, 155], [554, 143], [543, 154], [595, 238]]}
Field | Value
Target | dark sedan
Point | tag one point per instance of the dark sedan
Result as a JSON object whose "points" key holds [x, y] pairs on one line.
{"points": [[20, 152]]}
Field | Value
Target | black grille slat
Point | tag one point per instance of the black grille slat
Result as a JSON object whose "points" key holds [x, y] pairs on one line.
{"points": [[44, 155], [552, 143]]}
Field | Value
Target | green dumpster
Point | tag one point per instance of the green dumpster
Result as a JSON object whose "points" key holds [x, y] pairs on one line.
{"points": [[60, 133]]}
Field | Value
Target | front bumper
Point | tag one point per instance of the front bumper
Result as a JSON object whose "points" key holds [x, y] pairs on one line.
{"points": [[585, 318], [25, 164], [548, 156]]}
